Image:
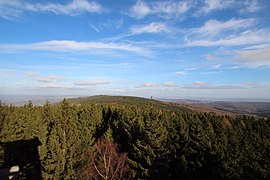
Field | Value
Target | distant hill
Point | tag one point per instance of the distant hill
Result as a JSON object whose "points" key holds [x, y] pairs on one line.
{"points": [[225, 107], [103, 99], [126, 100], [248, 108]]}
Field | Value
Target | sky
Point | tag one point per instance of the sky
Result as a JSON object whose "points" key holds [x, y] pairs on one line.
{"points": [[204, 49]]}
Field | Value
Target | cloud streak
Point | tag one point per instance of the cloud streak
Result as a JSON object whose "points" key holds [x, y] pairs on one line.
{"points": [[234, 32], [243, 6], [211, 5], [75, 46], [169, 84], [149, 84], [15, 8], [207, 86], [31, 74], [48, 79], [169, 9], [153, 27], [254, 58], [91, 82]]}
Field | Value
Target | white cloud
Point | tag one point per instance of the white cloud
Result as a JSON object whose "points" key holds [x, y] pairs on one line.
{"points": [[207, 86], [48, 79], [218, 66], [169, 9], [242, 6], [211, 5], [229, 33], [213, 27], [57, 86], [153, 27], [71, 46], [190, 69], [200, 83], [172, 7], [244, 38], [211, 57], [254, 58], [180, 72], [76, 7], [149, 84], [257, 46], [211, 72], [31, 74], [91, 82], [10, 9], [250, 6], [140, 10], [169, 84]]}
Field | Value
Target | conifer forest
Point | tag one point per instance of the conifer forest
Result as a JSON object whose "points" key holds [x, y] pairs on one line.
{"points": [[134, 141]]}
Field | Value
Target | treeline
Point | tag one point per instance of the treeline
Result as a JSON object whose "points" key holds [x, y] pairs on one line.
{"points": [[159, 143]]}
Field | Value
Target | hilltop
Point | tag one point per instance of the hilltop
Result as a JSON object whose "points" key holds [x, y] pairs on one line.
{"points": [[222, 108], [126, 100]]}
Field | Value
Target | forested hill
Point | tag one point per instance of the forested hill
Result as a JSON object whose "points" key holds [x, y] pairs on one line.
{"points": [[126, 139], [126, 100], [103, 99]]}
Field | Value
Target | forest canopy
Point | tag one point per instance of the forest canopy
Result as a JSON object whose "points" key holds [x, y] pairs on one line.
{"points": [[152, 141]]}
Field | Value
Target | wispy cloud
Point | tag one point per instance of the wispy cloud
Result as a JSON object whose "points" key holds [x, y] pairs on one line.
{"points": [[57, 86], [140, 10], [254, 58], [208, 86], [92, 82], [250, 6], [191, 69], [10, 9], [233, 32], [75, 46], [214, 27], [180, 72], [94, 27], [217, 87], [211, 72], [154, 27], [75, 7], [149, 84], [244, 38], [211, 5], [48, 79], [151, 28], [13, 9], [242, 6], [31, 74], [200, 83], [211, 57], [169, 84], [168, 9]]}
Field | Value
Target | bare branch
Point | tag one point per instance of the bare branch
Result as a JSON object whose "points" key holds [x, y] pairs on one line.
{"points": [[99, 172]]}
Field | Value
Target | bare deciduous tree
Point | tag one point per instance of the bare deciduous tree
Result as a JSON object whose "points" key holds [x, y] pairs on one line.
{"points": [[105, 162]]}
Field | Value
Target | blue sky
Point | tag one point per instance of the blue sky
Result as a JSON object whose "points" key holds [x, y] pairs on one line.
{"points": [[210, 49]]}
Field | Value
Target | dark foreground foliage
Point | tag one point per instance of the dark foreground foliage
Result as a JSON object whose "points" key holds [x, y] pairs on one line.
{"points": [[153, 142]]}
